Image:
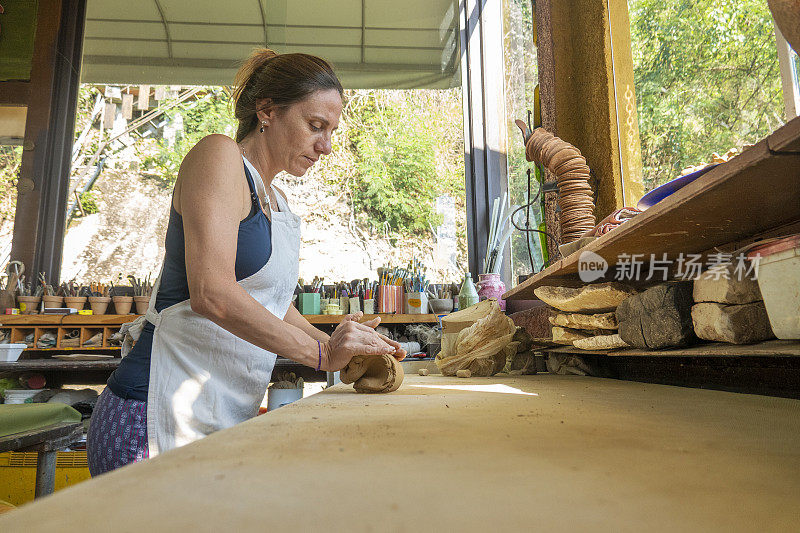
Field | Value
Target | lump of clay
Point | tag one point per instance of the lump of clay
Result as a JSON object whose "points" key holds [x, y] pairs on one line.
{"points": [[373, 373], [580, 321], [597, 298], [601, 342], [659, 317]]}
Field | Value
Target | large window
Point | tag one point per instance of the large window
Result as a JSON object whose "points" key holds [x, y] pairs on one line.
{"points": [[521, 80], [707, 80]]}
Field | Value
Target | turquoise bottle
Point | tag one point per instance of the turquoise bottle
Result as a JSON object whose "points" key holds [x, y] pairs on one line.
{"points": [[468, 295]]}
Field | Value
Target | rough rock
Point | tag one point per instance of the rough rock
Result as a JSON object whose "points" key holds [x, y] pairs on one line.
{"points": [[597, 298], [726, 291], [580, 321], [523, 363], [659, 317], [522, 339], [601, 342], [736, 324], [534, 320]]}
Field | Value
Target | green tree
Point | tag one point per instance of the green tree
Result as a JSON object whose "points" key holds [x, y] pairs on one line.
{"points": [[707, 80]]}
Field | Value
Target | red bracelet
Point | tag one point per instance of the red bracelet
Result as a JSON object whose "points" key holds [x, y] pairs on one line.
{"points": [[319, 360]]}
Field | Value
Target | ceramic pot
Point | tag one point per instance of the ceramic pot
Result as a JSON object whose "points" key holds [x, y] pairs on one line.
{"points": [[53, 301], [441, 305], [29, 305], [99, 304], [122, 304], [142, 303], [75, 302], [491, 286]]}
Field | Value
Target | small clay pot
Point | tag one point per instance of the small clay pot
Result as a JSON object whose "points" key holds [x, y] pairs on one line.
{"points": [[441, 305], [29, 305], [75, 302], [122, 304], [99, 304], [53, 301], [142, 303]]}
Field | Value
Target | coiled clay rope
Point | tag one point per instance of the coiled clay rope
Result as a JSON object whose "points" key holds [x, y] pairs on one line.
{"points": [[572, 177]]}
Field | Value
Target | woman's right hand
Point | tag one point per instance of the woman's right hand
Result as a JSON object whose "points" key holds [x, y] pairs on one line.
{"points": [[350, 339]]}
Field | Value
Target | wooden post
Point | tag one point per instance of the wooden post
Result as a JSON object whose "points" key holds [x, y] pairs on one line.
{"points": [[542, 10], [42, 188]]}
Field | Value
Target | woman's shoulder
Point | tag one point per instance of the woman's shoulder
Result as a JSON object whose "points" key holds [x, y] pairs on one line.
{"points": [[215, 144], [211, 155]]}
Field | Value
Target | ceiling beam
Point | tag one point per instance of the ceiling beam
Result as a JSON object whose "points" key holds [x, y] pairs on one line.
{"points": [[263, 10], [232, 64], [166, 28]]}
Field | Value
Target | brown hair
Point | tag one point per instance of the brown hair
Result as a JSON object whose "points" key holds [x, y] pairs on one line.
{"points": [[283, 78]]}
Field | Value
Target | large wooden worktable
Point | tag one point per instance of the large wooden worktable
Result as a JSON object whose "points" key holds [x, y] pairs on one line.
{"points": [[576, 454]]}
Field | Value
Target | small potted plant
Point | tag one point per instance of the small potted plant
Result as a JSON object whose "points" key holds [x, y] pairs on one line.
{"points": [[122, 304], [72, 295], [98, 298], [142, 288], [49, 297]]}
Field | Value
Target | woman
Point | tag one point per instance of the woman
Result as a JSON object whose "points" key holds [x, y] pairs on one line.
{"points": [[222, 309]]}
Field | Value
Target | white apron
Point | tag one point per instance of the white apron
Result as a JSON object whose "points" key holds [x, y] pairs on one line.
{"points": [[202, 377]]}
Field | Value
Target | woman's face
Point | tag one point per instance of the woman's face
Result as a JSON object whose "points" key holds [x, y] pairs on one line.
{"points": [[296, 136]]}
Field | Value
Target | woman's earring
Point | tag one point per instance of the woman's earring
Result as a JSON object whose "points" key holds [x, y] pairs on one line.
{"points": [[263, 123]]}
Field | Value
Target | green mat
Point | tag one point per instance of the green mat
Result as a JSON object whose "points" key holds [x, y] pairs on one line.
{"points": [[17, 418]]}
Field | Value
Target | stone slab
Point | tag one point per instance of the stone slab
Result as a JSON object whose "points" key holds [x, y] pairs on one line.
{"points": [[724, 285], [736, 324], [595, 298], [582, 321], [601, 342]]}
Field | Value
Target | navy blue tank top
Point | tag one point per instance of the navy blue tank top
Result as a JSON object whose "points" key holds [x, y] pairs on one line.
{"points": [[253, 249]]}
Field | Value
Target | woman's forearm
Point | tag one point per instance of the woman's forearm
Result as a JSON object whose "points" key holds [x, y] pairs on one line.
{"points": [[294, 317], [233, 309]]}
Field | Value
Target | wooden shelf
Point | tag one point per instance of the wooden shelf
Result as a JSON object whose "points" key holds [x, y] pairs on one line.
{"points": [[385, 319], [65, 320], [42, 365], [48, 364], [773, 348], [755, 193]]}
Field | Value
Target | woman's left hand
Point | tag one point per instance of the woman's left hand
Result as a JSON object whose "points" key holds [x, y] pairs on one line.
{"points": [[399, 353]]}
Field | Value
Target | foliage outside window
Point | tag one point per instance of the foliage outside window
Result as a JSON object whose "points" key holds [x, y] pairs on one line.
{"points": [[707, 80]]}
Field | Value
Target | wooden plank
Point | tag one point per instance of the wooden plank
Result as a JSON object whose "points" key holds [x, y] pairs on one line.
{"points": [[34, 437], [44, 365], [786, 138], [99, 320], [773, 348], [71, 320], [143, 102], [750, 194], [127, 106], [385, 319]]}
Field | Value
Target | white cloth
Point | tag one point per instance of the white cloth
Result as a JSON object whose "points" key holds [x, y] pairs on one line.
{"points": [[204, 378]]}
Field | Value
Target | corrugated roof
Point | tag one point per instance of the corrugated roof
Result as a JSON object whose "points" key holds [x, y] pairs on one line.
{"points": [[371, 43]]}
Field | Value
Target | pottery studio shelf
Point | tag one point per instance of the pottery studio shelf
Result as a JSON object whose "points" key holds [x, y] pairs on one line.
{"points": [[19, 326], [752, 196], [772, 348]]}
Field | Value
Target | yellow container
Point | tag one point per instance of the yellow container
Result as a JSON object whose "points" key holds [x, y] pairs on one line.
{"points": [[18, 474]]}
